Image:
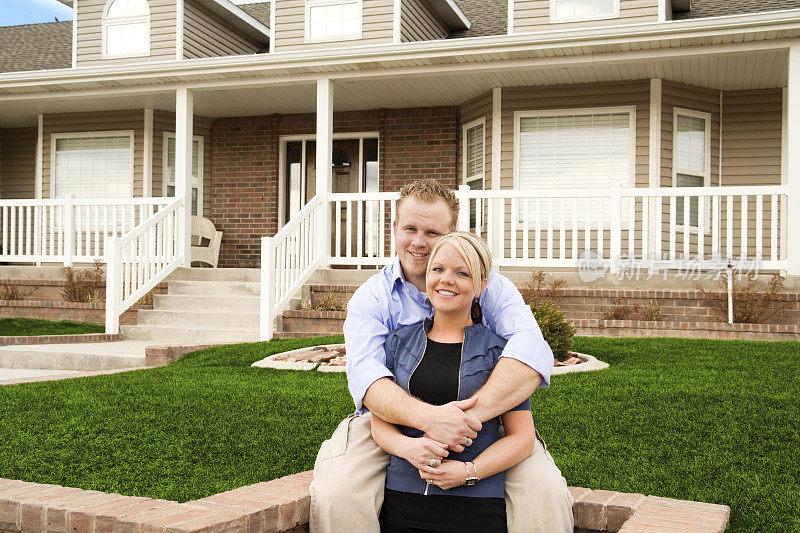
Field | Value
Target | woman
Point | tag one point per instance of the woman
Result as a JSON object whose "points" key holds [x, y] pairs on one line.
{"points": [[441, 360]]}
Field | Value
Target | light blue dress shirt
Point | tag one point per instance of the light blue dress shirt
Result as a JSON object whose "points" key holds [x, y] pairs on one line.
{"points": [[386, 301]]}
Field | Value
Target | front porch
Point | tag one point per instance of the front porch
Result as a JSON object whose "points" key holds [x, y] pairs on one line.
{"points": [[657, 168]]}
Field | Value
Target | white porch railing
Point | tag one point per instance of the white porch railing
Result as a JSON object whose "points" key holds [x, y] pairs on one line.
{"points": [[287, 261], [362, 228], [141, 259], [68, 230]]}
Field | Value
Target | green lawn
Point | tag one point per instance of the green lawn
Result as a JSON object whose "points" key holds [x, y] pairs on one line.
{"points": [[32, 326], [714, 421]]}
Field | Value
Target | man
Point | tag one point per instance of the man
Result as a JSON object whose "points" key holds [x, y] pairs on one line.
{"points": [[347, 491]]}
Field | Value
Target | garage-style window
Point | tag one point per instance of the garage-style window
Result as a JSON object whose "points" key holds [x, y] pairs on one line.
{"points": [[126, 28], [93, 165]]}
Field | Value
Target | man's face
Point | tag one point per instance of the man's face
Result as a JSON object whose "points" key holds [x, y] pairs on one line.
{"points": [[417, 228]]}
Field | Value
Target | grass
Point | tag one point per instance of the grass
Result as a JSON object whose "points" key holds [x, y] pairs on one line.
{"points": [[713, 421], [31, 326]]}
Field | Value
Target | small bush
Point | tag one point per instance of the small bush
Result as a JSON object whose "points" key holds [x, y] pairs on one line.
{"points": [[84, 285], [752, 302], [9, 291], [326, 302], [538, 288], [619, 310], [652, 311], [556, 329]]}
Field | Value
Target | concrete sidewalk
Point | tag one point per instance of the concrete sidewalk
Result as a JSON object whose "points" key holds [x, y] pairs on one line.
{"points": [[74, 357]]}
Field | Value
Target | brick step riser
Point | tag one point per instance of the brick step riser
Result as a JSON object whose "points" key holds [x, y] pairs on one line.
{"points": [[322, 325], [220, 304], [190, 335], [188, 318], [214, 288]]}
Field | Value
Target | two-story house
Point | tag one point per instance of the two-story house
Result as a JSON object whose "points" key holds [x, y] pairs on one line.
{"points": [[624, 130]]}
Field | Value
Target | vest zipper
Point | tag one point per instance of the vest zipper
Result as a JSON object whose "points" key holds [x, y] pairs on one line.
{"points": [[460, 364]]}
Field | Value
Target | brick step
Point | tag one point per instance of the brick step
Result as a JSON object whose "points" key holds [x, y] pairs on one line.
{"points": [[301, 334]]}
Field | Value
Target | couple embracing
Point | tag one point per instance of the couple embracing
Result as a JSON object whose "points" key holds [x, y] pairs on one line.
{"points": [[442, 357]]}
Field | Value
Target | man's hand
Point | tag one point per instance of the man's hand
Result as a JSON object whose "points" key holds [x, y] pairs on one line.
{"points": [[449, 424], [453, 474], [420, 451]]}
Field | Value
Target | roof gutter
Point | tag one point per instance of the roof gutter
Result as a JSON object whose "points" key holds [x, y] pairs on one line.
{"points": [[422, 50]]}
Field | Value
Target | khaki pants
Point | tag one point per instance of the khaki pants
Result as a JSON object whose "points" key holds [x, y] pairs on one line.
{"points": [[350, 471]]}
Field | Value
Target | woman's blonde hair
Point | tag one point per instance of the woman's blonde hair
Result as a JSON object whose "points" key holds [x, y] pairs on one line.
{"points": [[472, 249]]}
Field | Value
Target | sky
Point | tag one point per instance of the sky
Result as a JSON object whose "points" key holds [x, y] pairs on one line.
{"points": [[13, 12]]}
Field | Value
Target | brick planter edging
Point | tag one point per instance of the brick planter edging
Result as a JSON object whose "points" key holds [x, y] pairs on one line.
{"points": [[709, 330], [60, 339], [164, 354], [282, 505]]}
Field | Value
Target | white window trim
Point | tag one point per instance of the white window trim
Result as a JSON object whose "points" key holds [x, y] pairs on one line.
{"points": [[553, 18], [360, 135], [200, 156], [123, 20], [706, 167], [81, 135], [482, 175], [631, 110], [353, 37]]}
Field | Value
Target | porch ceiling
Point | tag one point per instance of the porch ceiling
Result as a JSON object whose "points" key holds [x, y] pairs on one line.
{"points": [[727, 71]]}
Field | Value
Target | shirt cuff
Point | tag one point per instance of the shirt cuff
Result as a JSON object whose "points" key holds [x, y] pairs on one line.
{"points": [[361, 377], [534, 352]]}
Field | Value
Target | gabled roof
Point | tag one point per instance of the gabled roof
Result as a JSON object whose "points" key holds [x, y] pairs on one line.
{"points": [[717, 8], [488, 17], [36, 46]]}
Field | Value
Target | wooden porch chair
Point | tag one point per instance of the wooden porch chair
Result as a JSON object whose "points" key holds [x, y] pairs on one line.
{"points": [[206, 241]]}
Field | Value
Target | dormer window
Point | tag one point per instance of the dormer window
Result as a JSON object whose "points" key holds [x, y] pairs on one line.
{"points": [[576, 10], [126, 28], [333, 20]]}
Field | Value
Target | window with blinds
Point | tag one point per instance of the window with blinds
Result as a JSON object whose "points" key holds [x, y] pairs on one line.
{"points": [[126, 28], [570, 10], [197, 170], [95, 166], [474, 162], [691, 158], [333, 20]]}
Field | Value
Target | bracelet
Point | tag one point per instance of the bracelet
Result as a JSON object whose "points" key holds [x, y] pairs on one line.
{"points": [[471, 478]]}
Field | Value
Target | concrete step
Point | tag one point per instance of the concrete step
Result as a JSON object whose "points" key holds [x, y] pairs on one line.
{"points": [[216, 274], [221, 304], [83, 356], [211, 319], [220, 288], [342, 275], [188, 334]]}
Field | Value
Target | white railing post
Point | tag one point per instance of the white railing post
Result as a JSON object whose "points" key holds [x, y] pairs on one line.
{"points": [[463, 207], [267, 288], [113, 284], [616, 228], [324, 163], [69, 236]]}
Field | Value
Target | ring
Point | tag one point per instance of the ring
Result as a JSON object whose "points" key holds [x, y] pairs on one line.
{"points": [[434, 463], [469, 442]]}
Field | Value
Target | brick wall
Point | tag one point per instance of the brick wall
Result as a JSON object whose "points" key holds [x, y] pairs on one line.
{"points": [[414, 143]]}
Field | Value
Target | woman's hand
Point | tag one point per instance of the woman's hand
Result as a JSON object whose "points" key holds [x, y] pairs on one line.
{"points": [[453, 474], [420, 451]]}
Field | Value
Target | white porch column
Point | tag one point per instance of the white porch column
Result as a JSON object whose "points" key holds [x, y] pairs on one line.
{"points": [[791, 179], [324, 161], [184, 125], [497, 174], [654, 165]]}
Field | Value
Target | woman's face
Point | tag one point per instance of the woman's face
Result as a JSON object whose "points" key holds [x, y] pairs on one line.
{"points": [[449, 282]]}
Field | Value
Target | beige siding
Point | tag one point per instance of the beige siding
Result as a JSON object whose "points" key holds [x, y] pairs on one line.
{"points": [[206, 36], [17, 163], [164, 122], [90, 33], [628, 93], [90, 123], [290, 26], [418, 23], [534, 16], [480, 107], [751, 137]]}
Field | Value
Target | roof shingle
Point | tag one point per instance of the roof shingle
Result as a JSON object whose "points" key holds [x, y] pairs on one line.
{"points": [[718, 8], [36, 46]]}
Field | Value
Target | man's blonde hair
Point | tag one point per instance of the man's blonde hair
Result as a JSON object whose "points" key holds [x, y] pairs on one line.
{"points": [[474, 251], [430, 191]]}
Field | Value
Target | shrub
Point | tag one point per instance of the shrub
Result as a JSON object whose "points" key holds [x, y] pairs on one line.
{"points": [[652, 311], [84, 285], [556, 329], [325, 302], [9, 291], [538, 288], [752, 304], [619, 310]]}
